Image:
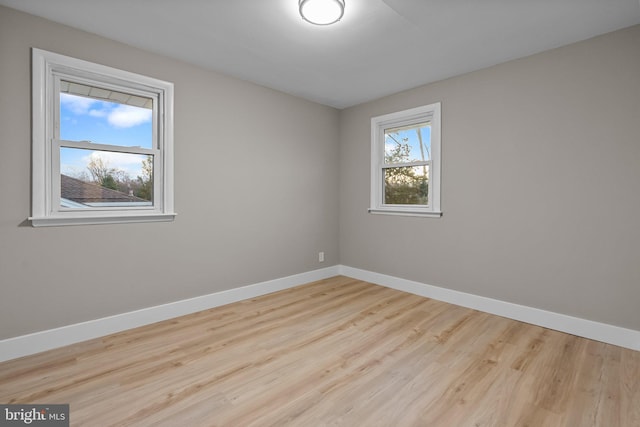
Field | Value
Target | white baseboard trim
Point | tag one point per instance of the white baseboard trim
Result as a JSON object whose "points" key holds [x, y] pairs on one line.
{"points": [[37, 342], [603, 332]]}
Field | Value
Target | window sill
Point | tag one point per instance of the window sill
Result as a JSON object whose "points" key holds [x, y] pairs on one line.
{"points": [[405, 213], [89, 220]]}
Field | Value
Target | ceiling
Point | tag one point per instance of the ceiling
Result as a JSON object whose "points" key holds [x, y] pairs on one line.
{"points": [[380, 47]]}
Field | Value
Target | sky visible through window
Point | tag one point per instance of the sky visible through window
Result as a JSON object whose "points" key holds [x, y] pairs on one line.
{"points": [[410, 148], [103, 122], [409, 138]]}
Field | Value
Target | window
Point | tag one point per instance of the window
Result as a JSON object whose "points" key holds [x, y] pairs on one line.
{"points": [[405, 162], [102, 144]]}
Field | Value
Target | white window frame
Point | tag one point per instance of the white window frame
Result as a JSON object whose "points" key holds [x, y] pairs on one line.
{"points": [[47, 70], [414, 116]]}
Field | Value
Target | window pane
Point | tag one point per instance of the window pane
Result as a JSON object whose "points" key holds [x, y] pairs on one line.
{"points": [[89, 113], [92, 178], [408, 144], [406, 185]]}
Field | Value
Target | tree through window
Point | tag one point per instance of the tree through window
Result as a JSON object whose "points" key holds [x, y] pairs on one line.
{"points": [[102, 144], [406, 165], [405, 162]]}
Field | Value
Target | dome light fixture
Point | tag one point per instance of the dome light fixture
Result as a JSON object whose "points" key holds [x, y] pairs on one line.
{"points": [[321, 12]]}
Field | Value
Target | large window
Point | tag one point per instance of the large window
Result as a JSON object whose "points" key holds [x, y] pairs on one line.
{"points": [[102, 144], [405, 162]]}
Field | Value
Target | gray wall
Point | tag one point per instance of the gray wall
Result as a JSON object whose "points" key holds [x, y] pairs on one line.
{"points": [[255, 190], [541, 184], [541, 163]]}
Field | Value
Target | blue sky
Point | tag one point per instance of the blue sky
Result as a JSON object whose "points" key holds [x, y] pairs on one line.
{"points": [[88, 119], [410, 136]]}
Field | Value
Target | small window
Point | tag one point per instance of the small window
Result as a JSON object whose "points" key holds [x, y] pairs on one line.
{"points": [[405, 162], [102, 144]]}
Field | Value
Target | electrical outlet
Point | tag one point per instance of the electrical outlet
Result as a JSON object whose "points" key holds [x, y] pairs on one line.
{"points": [[320, 256]]}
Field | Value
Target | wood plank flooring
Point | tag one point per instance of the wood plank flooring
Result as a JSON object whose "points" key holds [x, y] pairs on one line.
{"points": [[338, 352]]}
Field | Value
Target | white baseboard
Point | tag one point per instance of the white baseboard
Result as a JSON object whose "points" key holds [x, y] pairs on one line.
{"points": [[53, 338], [603, 332]]}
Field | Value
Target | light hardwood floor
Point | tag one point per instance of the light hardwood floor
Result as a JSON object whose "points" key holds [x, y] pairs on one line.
{"points": [[338, 352]]}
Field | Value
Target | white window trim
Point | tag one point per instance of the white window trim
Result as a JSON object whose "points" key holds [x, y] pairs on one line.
{"points": [[402, 118], [45, 65]]}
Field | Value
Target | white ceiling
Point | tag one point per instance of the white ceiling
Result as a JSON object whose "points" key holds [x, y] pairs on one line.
{"points": [[380, 47]]}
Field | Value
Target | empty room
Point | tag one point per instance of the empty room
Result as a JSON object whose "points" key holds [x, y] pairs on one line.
{"points": [[320, 213]]}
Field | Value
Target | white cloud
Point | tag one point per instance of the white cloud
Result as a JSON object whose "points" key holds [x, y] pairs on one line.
{"points": [[126, 116], [115, 158], [97, 113], [77, 104], [129, 163], [121, 116]]}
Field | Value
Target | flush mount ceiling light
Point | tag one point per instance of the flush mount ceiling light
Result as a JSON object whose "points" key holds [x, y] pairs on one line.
{"points": [[321, 12]]}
